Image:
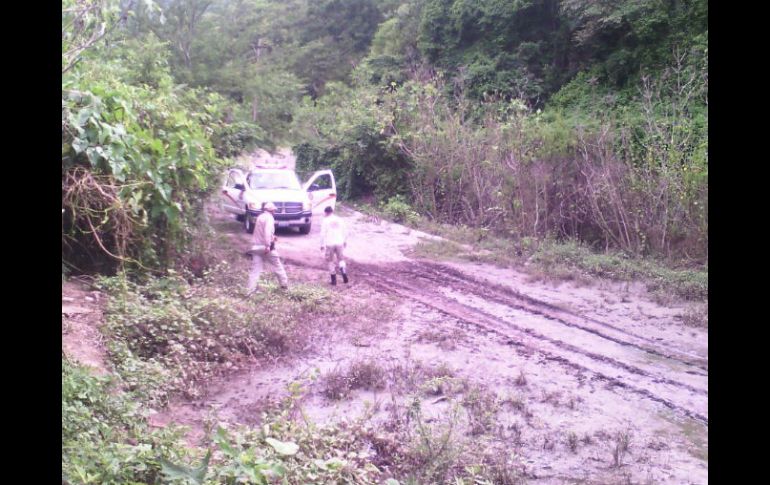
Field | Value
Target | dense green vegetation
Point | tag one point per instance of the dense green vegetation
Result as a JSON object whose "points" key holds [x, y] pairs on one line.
{"points": [[574, 131], [570, 119]]}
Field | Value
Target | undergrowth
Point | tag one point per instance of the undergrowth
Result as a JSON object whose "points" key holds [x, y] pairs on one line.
{"points": [[106, 440], [170, 335], [105, 437], [167, 336]]}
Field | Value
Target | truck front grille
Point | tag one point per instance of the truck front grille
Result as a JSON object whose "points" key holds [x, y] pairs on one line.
{"points": [[288, 207]]}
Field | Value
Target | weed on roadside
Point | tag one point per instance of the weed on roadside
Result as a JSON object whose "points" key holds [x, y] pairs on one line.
{"points": [[105, 436], [697, 317], [572, 441], [502, 467], [434, 449], [521, 380], [621, 447], [408, 376], [555, 258], [515, 401], [361, 374], [482, 407], [441, 249], [566, 261], [443, 386]]}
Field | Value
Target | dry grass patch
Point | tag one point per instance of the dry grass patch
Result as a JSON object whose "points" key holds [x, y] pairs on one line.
{"points": [[362, 374]]}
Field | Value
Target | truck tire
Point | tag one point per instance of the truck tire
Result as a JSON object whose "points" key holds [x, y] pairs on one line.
{"points": [[304, 229]]}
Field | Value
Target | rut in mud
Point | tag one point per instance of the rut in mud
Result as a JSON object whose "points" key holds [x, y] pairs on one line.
{"points": [[548, 333], [554, 333]]}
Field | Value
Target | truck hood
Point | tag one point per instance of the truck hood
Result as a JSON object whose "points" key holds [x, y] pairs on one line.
{"points": [[274, 195]]}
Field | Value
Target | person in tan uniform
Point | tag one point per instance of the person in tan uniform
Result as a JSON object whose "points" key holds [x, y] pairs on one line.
{"points": [[334, 236], [263, 249]]}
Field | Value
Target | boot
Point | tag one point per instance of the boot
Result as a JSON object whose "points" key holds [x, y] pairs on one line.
{"points": [[334, 279], [344, 276]]}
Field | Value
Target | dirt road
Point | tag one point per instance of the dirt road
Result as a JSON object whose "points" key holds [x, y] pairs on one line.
{"points": [[596, 362], [661, 363], [594, 383]]}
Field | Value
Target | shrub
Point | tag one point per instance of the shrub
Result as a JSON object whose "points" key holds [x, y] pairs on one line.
{"points": [[399, 209], [136, 163], [237, 138]]}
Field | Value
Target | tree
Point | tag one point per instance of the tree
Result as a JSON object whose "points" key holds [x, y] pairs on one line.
{"points": [[179, 26], [86, 22], [334, 36]]}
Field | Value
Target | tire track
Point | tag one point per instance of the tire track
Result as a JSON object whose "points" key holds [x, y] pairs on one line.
{"points": [[676, 395], [514, 299]]}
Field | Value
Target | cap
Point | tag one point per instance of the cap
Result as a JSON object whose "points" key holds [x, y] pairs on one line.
{"points": [[269, 206]]}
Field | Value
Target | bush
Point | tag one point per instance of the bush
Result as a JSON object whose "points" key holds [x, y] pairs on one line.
{"points": [[362, 374], [237, 138], [400, 211], [137, 161]]}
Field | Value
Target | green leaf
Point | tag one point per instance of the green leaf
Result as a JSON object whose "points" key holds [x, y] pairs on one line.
{"points": [[223, 441], [157, 146], [200, 472], [177, 472], [79, 145], [165, 191], [335, 463], [83, 116], [283, 447], [278, 469]]}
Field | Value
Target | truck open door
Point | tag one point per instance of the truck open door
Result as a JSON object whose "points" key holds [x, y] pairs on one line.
{"points": [[322, 190], [232, 192]]}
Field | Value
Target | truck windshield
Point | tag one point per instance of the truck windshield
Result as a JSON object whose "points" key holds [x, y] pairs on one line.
{"points": [[274, 180]]}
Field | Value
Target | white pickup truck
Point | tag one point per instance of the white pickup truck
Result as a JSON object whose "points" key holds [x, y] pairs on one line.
{"points": [[244, 193]]}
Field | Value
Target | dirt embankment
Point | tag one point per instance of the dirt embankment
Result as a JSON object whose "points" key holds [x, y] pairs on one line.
{"points": [[81, 317]]}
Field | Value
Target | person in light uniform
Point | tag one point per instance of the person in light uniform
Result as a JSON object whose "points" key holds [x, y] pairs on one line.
{"points": [[334, 235], [263, 250]]}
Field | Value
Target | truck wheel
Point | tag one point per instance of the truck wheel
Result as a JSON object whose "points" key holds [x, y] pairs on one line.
{"points": [[304, 229]]}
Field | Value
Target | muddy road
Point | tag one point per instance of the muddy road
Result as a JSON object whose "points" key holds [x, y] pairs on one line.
{"points": [[591, 382], [596, 361], [668, 367], [594, 382], [599, 349]]}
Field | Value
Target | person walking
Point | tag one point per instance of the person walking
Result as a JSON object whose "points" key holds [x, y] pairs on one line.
{"points": [[263, 249], [334, 237]]}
